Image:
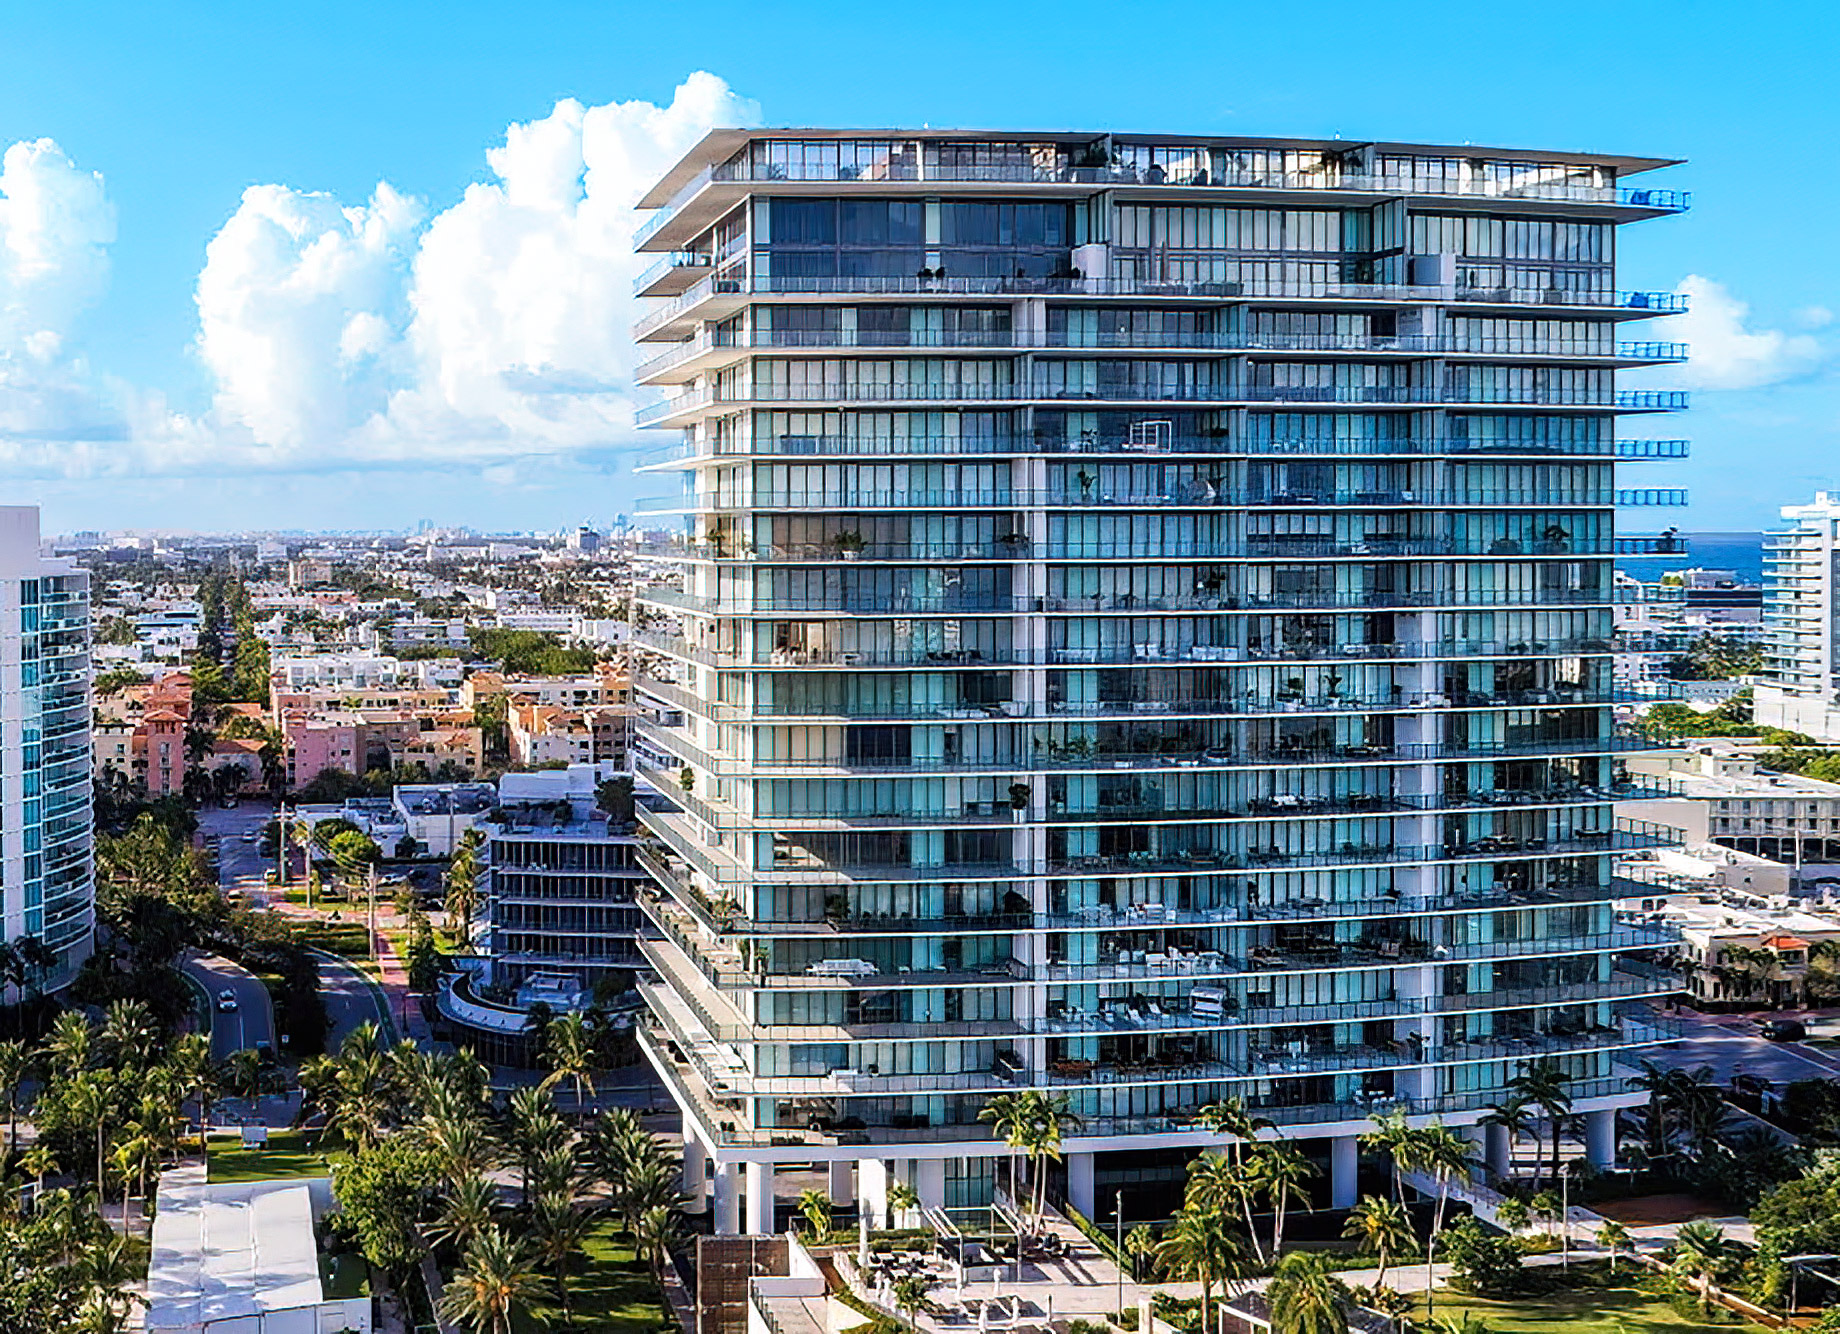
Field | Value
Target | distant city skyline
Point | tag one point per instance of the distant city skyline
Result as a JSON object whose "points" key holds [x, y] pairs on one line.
{"points": [[333, 274]]}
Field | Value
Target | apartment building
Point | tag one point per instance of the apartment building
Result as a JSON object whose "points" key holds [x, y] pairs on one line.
{"points": [[46, 846], [563, 884], [1139, 630], [1801, 687]]}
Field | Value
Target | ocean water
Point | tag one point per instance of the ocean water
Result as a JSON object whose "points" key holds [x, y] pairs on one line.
{"points": [[1742, 552]]}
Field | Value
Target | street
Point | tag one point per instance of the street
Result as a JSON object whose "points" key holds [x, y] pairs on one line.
{"points": [[240, 866], [1731, 1045], [251, 1022]]}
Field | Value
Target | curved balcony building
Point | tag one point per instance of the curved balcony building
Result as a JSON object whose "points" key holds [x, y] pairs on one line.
{"points": [[1140, 632], [47, 895]]}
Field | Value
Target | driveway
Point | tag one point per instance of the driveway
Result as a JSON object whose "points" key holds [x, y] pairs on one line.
{"points": [[251, 1022]]}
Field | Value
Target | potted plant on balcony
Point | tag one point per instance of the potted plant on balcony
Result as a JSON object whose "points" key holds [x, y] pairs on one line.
{"points": [[848, 544], [1019, 796], [1014, 542], [1554, 539], [1086, 480]]}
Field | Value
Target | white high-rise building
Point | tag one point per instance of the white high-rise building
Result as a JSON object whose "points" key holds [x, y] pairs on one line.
{"points": [[46, 857], [1139, 633], [1801, 622]]}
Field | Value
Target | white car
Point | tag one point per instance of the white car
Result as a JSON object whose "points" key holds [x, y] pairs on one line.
{"points": [[226, 999]]}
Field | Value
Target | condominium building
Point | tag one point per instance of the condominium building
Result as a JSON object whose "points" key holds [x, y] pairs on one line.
{"points": [[46, 858], [1140, 631], [1801, 686]]}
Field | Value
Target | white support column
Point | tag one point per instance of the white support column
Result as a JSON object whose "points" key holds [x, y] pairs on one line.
{"points": [[1600, 1138], [759, 1199], [1344, 1171], [929, 1182], [872, 1190], [695, 1166], [1080, 1182], [842, 1182], [1476, 1140], [1500, 1159], [728, 1199]]}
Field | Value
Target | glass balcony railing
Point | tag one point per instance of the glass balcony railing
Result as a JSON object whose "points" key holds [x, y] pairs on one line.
{"points": [[1155, 340], [1197, 495], [1223, 445], [905, 603], [843, 395], [1311, 651], [734, 289]]}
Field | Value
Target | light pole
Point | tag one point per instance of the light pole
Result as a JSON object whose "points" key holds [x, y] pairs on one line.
{"points": [[1118, 1240]]}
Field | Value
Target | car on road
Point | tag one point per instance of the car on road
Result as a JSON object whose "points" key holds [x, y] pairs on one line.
{"points": [[226, 999], [251, 835], [1783, 1030]]}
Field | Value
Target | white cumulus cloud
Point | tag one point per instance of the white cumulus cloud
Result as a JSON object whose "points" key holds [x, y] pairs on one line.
{"points": [[56, 224], [498, 328], [296, 305], [1726, 352]]}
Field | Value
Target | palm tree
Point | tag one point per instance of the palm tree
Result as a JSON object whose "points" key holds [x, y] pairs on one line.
{"points": [[1140, 1245], [1282, 1169], [571, 1050], [1306, 1297], [91, 1106], [69, 1043], [1699, 1255], [108, 1269], [902, 1200], [1005, 1113], [1379, 1227], [910, 1296], [41, 1162], [15, 1065], [462, 1145], [1615, 1238], [561, 1229], [192, 1065], [465, 1213], [1543, 1083], [1199, 1244], [1515, 1116], [1393, 1137], [814, 1207], [653, 1234], [128, 1033], [1442, 1152], [1216, 1181], [498, 1280], [244, 1068]]}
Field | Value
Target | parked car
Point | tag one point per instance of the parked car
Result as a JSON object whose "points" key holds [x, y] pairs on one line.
{"points": [[1784, 1030], [226, 999]]}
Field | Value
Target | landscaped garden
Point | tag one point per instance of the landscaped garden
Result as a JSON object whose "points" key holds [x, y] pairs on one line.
{"points": [[1618, 1307], [288, 1153]]}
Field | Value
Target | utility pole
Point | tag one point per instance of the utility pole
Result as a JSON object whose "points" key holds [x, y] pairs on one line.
{"points": [[371, 880]]}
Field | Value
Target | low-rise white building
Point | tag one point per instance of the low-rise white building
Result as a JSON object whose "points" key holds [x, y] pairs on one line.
{"points": [[241, 1258]]}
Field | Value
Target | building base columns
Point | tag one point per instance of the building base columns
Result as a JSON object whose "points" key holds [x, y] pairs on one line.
{"points": [[1344, 1171], [759, 1199], [728, 1199]]}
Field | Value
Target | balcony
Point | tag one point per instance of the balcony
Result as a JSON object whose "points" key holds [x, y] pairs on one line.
{"points": [[672, 273], [1311, 651], [1221, 444], [734, 347], [1197, 495], [724, 293], [692, 403], [1260, 547], [718, 187]]}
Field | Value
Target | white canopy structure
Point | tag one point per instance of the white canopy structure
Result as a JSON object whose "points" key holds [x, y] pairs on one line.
{"points": [[240, 1258]]}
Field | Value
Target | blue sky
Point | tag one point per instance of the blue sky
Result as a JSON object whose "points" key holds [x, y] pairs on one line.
{"points": [[301, 294]]}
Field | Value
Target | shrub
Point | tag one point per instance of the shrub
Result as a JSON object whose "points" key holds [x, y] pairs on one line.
{"points": [[1486, 1263]]}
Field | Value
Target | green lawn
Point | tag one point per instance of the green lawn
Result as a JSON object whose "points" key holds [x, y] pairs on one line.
{"points": [[1619, 1310], [611, 1291], [288, 1153]]}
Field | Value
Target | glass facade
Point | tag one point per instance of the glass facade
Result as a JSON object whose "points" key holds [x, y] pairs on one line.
{"points": [[1136, 638], [46, 854]]}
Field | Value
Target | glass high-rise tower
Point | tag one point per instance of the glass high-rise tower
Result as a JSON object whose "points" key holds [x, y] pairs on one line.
{"points": [[1141, 633], [46, 860]]}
